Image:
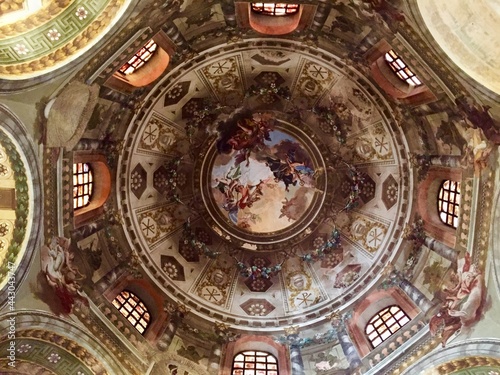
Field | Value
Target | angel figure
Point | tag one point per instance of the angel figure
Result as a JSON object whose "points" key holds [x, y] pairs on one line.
{"points": [[57, 266]]}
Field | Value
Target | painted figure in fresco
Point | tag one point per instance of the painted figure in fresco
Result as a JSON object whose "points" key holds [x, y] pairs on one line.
{"points": [[243, 133], [294, 208], [465, 298], [479, 118], [60, 273], [463, 302], [289, 172], [241, 197], [237, 196]]}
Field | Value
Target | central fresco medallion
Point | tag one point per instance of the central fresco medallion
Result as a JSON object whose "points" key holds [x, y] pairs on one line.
{"points": [[263, 177]]}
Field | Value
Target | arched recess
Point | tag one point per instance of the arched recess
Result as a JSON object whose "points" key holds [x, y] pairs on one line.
{"points": [[101, 188], [456, 357], [370, 306], [388, 81], [151, 299], [147, 73], [255, 342], [66, 338], [428, 191], [24, 149]]}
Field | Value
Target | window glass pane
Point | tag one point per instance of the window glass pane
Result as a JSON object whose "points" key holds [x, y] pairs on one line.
{"points": [[132, 308], [82, 185], [386, 322], [402, 70], [139, 59], [448, 202], [275, 9], [254, 363]]}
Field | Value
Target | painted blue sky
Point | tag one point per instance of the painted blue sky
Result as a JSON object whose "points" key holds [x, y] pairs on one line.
{"points": [[277, 136]]}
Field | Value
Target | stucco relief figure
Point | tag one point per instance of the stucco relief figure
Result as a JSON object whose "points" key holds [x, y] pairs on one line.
{"points": [[60, 273], [243, 133], [463, 304]]}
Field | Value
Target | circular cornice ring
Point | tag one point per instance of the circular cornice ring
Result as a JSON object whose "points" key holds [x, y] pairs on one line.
{"points": [[141, 244], [57, 48]]}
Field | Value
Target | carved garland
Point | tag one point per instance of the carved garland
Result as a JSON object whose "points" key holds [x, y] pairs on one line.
{"points": [[22, 204]]}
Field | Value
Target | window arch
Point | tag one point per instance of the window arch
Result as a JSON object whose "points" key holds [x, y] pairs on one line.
{"points": [[449, 202], [402, 70], [139, 59], [384, 324], [253, 362], [275, 9], [83, 184], [132, 308]]}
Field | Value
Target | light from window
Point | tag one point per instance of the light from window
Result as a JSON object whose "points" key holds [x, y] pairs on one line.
{"points": [[139, 59], [275, 9], [449, 202], [82, 184], [401, 69], [254, 363], [384, 324], [132, 308]]}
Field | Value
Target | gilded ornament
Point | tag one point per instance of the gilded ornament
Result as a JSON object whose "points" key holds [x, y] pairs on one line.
{"points": [[292, 330]]}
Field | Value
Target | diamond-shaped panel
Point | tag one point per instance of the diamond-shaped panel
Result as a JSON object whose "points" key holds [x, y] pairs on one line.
{"points": [[187, 251], [176, 93], [192, 107], [259, 261], [367, 191], [161, 180], [258, 285], [390, 190], [257, 307], [138, 180], [333, 259], [265, 79], [172, 268]]}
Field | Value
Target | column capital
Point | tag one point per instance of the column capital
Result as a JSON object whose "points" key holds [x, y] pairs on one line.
{"points": [[292, 330], [177, 310], [224, 334]]}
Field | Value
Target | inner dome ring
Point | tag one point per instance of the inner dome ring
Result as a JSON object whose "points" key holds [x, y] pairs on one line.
{"points": [[286, 177]]}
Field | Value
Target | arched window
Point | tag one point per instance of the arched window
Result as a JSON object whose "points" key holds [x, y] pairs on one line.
{"points": [[449, 202], [83, 182], [399, 67], [132, 308], [139, 59], [384, 324], [275, 9], [254, 363]]}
